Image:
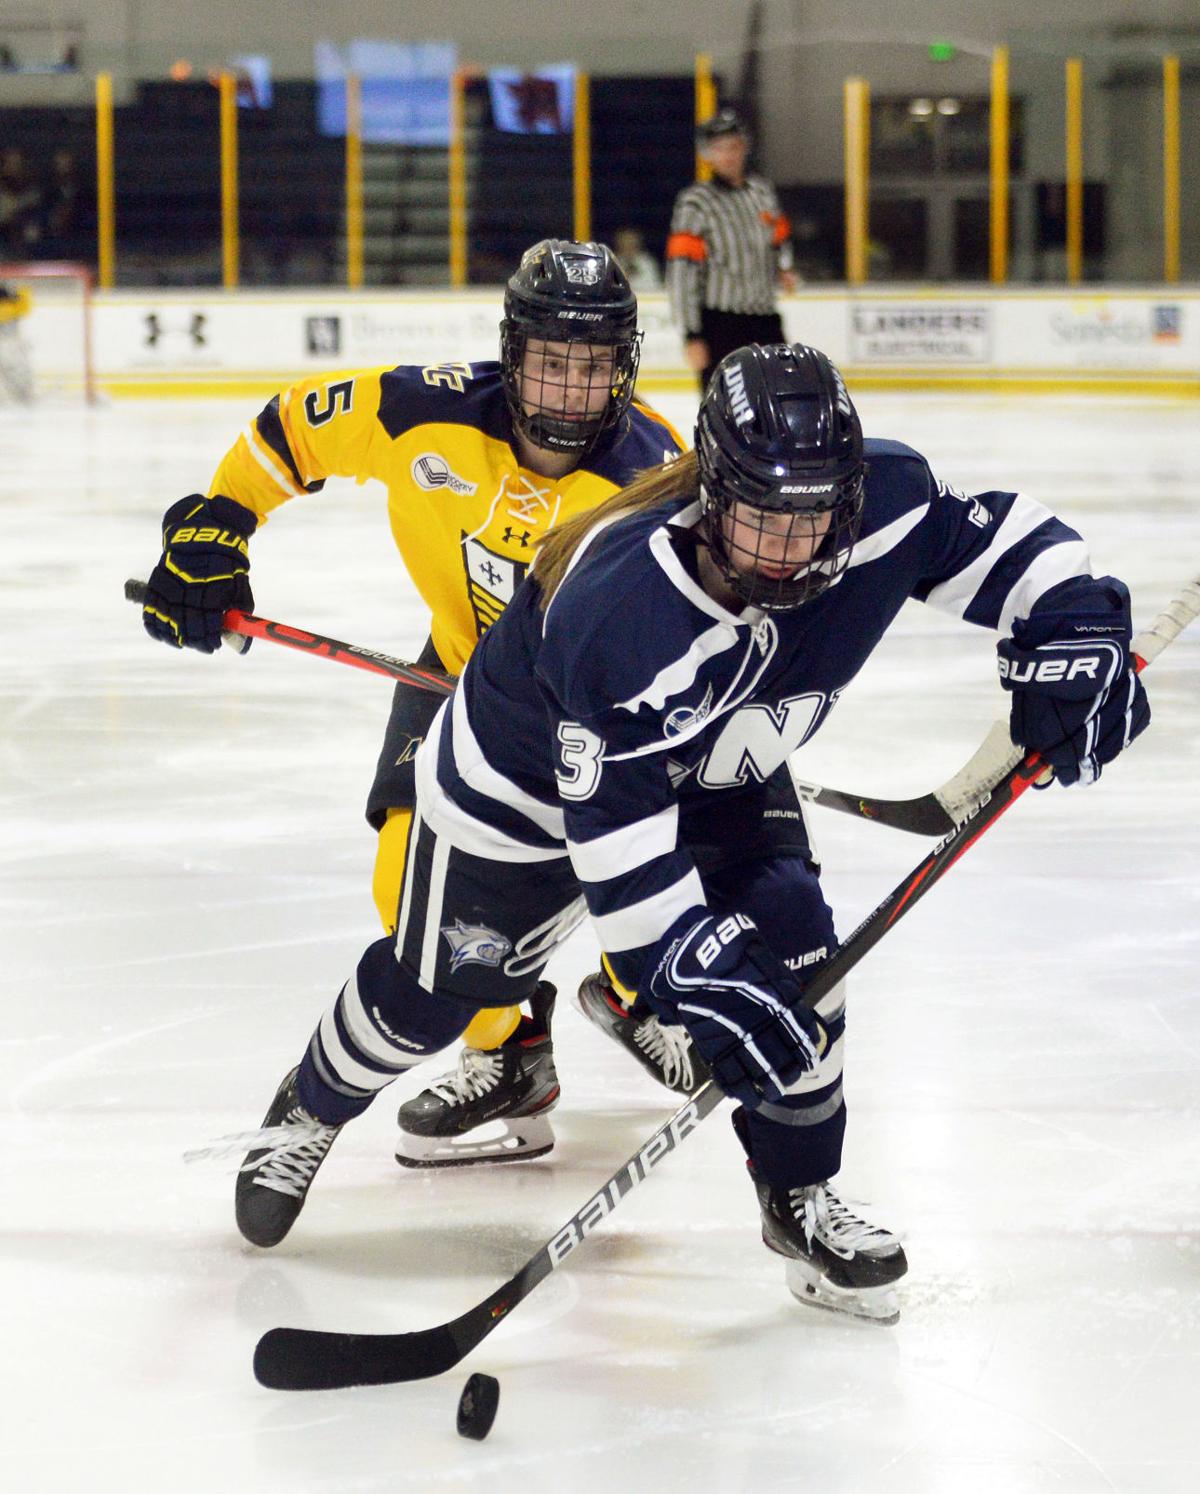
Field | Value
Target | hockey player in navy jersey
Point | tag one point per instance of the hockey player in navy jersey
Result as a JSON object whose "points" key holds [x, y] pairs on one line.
{"points": [[479, 462], [608, 751]]}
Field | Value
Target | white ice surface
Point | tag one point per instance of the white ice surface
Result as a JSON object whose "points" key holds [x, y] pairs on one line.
{"points": [[186, 884]]}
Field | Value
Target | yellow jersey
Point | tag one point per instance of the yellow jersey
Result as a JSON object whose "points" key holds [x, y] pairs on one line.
{"points": [[465, 515]]}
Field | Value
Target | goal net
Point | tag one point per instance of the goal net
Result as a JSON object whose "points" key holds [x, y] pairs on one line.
{"points": [[46, 332]]}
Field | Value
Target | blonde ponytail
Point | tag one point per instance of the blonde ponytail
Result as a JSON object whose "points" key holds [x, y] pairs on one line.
{"points": [[677, 478]]}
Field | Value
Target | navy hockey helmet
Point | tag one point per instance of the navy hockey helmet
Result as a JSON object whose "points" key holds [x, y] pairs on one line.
{"points": [[565, 301], [780, 452], [725, 121]]}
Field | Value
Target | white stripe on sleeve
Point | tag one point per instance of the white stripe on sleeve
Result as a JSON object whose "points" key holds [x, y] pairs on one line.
{"points": [[1056, 563], [627, 848], [956, 594], [646, 922]]}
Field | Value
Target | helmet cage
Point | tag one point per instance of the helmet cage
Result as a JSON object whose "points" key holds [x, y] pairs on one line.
{"points": [[782, 476], [551, 398], [742, 564], [577, 297]]}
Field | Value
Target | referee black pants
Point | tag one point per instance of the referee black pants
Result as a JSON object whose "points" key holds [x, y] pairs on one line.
{"points": [[724, 331]]}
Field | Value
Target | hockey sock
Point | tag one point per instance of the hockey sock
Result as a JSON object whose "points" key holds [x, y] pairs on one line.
{"points": [[490, 1027], [381, 1024]]}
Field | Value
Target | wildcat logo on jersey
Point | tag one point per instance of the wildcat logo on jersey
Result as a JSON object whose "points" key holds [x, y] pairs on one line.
{"points": [[473, 944], [431, 472], [683, 718]]}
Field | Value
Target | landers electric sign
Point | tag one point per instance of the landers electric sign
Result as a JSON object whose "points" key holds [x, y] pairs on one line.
{"points": [[920, 332]]}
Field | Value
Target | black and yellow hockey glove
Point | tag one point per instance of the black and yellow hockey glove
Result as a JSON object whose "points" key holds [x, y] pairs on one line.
{"points": [[202, 573]]}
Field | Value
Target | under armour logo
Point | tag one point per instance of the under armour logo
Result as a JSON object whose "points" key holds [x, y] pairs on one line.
{"points": [[194, 330], [512, 537]]}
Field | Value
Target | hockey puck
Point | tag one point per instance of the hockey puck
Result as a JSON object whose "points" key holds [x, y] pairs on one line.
{"points": [[477, 1406]]}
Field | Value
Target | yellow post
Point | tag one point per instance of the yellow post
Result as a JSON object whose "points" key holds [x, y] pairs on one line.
{"points": [[857, 113], [229, 181], [354, 182], [106, 198], [583, 158], [1000, 150], [1074, 170], [458, 178], [1171, 169], [706, 107]]}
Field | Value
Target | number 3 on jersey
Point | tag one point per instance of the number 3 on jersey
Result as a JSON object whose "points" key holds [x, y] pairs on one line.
{"points": [[580, 758], [338, 397]]}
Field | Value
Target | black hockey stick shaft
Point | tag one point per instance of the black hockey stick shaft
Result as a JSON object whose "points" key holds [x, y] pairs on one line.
{"points": [[310, 1359], [943, 809], [927, 814], [246, 625], [313, 1359]]}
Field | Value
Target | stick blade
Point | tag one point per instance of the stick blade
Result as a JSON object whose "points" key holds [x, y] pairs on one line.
{"points": [[307, 1359]]}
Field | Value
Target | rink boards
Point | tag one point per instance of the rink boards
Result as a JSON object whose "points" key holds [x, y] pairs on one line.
{"points": [[209, 341]]}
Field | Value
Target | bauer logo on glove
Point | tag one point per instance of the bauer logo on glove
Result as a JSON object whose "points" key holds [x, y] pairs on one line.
{"points": [[1076, 698], [742, 1006], [202, 572]]}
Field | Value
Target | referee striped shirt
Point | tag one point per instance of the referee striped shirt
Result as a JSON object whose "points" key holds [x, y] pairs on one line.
{"points": [[727, 245]]}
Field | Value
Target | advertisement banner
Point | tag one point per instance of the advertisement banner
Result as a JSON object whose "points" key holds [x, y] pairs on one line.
{"points": [[919, 332], [1111, 331], [217, 339]]}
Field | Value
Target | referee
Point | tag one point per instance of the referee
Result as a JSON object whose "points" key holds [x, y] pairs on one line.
{"points": [[729, 247]]}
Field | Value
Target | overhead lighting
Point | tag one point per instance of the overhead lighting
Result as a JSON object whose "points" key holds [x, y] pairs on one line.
{"points": [[920, 108], [949, 106]]}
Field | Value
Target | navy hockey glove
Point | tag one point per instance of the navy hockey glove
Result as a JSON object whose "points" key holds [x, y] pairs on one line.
{"points": [[742, 1006], [1076, 699], [202, 572]]}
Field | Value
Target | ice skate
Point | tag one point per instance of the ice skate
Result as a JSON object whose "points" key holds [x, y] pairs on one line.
{"points": [[663, 1049], [508, 1092], [274, 1182], [835, 1259]]}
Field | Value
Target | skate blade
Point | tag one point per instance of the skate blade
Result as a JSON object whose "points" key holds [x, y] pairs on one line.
{"points": [[870, 1304], [521, 1141]]}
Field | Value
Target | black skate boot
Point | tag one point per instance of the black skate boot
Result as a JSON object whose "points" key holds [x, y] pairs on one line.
{"points": [[834, 1259], [273, 1183], [515, 1084], [663, 1049]]}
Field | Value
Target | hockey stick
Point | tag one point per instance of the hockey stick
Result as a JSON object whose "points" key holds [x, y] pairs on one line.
{"points": [[934, 813], [240, 627], [943, 809], [311, 1359]]}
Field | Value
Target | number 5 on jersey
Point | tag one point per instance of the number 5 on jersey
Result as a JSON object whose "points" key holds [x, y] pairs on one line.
{"points": [[338, 397]]}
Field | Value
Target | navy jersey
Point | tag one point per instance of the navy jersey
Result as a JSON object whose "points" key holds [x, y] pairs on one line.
{"points": [[616, 724]]}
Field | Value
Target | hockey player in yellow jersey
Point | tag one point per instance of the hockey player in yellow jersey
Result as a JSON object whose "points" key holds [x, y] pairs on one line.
{"points": [[480, 461]]}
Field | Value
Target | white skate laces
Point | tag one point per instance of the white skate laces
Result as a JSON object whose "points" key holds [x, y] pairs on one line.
{"points": [[293, 1153], [670, 1048], [477, 1074], [826, 1217]]}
